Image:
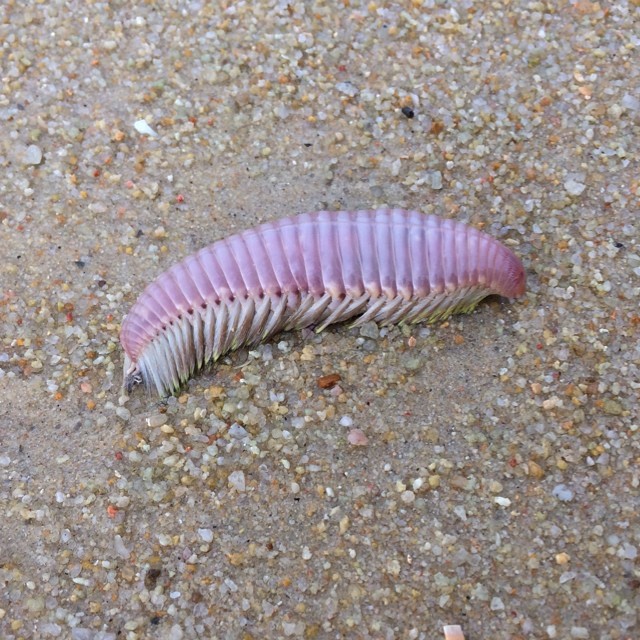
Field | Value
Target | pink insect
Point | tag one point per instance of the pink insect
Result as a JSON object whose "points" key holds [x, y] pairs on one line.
{"points": [[388, 266]]}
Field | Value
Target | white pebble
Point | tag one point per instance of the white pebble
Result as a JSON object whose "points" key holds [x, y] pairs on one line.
{"points": [[120, 547], [628, 552], [237, 481], [206, 534], [574, 187], [436, 180], [237, 432], [461, 512], [347, 88], [497, 604], [562, 492], [503, 502], [33, 155], [5, 461], [231, 585], [142, 126]]}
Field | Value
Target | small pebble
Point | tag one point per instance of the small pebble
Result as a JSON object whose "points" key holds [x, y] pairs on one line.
{"points": [[408, 112], [357, 438], [156, 420], [574, 187], [123, 413], [237, 432], [329, 381], [237, 481], [436, 180], [461, 512], [33, 155], [562, 492], [206, 534], [347, 88], [496, 604], [370, 330], [142, 127], [120, 547], [412, 363]]}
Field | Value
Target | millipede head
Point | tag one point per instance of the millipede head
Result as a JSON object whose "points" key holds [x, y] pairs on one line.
{"points": [[132, 380], [132, 375]]}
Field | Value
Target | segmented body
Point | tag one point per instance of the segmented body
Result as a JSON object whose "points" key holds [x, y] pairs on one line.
{"points": [[389, 266]]}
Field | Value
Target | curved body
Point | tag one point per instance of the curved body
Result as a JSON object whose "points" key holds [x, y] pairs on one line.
{"points": [[389, 266]]}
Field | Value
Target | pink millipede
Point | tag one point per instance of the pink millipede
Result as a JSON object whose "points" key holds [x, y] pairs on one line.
{"points": [[387, 266]]}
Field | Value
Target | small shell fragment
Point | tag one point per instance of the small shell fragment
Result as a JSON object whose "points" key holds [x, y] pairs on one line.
{"points": [[142, 126], [357, 438], [453, 632]]}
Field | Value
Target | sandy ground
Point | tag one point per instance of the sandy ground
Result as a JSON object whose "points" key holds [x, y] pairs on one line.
{"points": [[499, 487]]}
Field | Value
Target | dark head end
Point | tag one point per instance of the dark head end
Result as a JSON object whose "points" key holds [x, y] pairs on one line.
{"points": [[132, 375]]}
